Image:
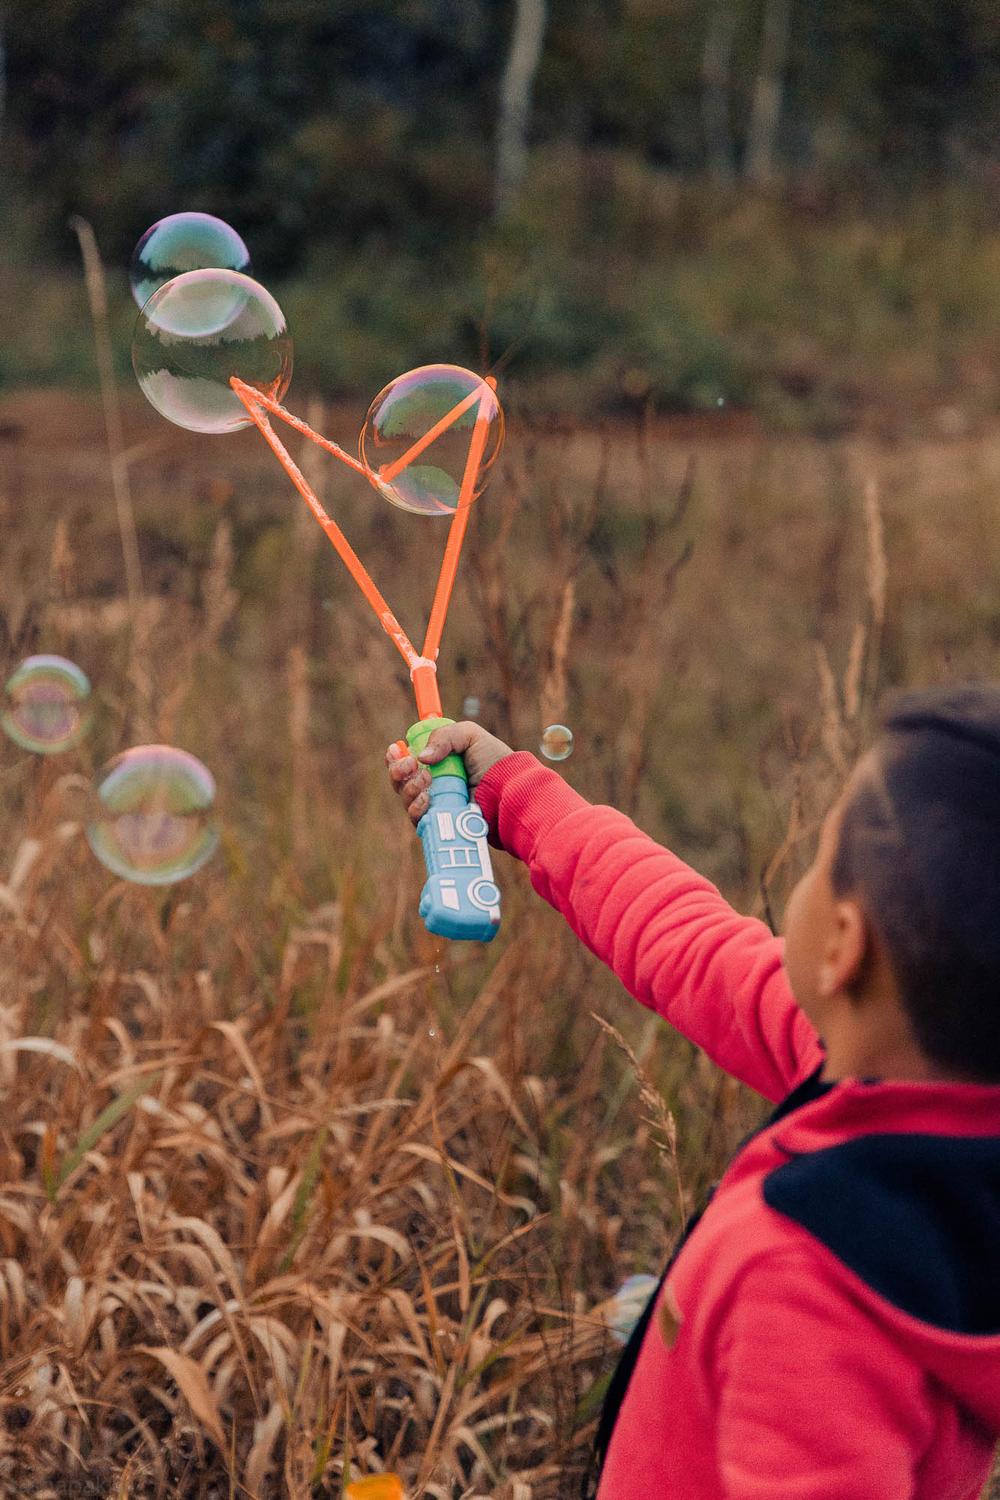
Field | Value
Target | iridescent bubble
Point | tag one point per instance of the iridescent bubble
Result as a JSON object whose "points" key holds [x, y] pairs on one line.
{"points": [[626, 1307], [438, 418], [557, 742], [184, 242], [470, 708], [198, 331], [46, 707], [151, 819]]}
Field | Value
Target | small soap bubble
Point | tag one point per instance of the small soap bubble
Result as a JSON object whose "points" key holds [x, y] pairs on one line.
{"points": [[46, 708], [557, 742], [151, 819], [470, 708], [184, 242], [198, 331], [442, 404], [626, 1307]]}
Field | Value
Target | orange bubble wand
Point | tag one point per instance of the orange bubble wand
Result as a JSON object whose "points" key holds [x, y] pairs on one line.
{"points": [[215, 324], [460, 898], [422, 665]]}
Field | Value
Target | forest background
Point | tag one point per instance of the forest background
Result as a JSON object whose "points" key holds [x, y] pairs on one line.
{"points": [[777, 204]]}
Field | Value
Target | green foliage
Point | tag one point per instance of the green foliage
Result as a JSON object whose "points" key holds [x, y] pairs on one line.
{"points": [[810, 323], [333, 121], [352, 144]]}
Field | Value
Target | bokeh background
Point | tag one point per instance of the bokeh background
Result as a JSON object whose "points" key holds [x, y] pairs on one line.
{"points": [[787, 206], [290, 1193]]}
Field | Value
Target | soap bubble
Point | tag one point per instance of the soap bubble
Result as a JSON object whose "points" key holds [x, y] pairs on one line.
{"points": [[470, 708], [199, 330], [151, 819], [557, 742], [626, 1307], [183, 242], [408, 410], [46, 707]]}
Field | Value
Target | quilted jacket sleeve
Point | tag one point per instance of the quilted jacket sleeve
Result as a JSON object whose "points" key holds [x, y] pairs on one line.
{"points": [[667, 933]]}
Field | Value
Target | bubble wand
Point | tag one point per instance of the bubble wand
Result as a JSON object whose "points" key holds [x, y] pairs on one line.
{"points": [[460, 899]]}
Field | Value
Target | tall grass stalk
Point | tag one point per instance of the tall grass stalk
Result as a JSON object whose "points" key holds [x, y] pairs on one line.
{"points": [[96, 285]]}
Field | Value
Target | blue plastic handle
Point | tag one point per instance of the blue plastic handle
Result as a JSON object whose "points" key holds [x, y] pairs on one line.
{"points": [[460, 900]]}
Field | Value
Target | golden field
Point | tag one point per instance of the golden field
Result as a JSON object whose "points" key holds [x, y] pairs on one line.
{"points": [[289, 1191]]}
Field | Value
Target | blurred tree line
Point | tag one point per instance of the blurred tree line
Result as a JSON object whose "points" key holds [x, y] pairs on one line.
{"points": [[327, 121], [413, 157]]}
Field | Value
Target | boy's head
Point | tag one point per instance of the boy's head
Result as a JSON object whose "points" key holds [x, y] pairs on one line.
{"points": [[893, 934]]}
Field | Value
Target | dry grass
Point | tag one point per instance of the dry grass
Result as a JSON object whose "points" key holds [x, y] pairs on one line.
{"points": [[286, 1185]]}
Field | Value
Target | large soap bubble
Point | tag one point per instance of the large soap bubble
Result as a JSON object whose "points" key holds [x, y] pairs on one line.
{"points": [[46, 707], [198, 331], [184, 242], [152, 815], [431, 412]]}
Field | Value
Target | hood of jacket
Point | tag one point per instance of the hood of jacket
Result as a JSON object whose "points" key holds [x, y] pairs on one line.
{"points": [[900, 1181]]}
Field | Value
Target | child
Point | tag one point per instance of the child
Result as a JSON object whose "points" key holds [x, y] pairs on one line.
{"points": [[831, 1328]]}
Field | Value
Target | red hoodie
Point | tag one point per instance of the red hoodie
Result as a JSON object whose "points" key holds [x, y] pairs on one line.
{"points": [[831, 1328]]}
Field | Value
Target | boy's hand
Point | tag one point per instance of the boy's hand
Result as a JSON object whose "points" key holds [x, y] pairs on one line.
{"points": [[411, 778]]}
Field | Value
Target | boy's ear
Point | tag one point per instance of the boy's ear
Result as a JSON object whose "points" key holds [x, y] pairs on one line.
{"points": [[846, 949]]}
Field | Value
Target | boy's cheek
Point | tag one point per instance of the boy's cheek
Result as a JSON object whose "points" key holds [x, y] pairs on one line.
{"points": [[796, 935], [790, 924]]}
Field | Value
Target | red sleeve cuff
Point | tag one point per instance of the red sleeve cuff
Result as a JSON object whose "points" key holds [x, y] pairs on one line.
{"points": [[521, 799]]}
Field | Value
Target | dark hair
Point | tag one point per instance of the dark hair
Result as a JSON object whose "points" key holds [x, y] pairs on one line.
{"points": [[920, 846]]}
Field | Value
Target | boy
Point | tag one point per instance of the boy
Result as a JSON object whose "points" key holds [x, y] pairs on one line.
{"points": [[830, 1330]]}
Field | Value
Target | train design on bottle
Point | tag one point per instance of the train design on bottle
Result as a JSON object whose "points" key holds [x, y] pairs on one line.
{"points": [[461, 899]]}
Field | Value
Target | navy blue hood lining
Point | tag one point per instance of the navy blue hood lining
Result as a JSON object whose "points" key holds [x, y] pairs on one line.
{"points": [[916, 1217]]}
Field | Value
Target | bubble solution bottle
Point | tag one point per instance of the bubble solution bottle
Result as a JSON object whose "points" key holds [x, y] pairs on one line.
{"points": [[460, 899]]}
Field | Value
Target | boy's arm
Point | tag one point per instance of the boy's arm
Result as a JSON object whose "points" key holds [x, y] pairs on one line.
{"points": [[668, 934], [816, 1400]]}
